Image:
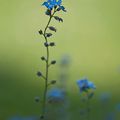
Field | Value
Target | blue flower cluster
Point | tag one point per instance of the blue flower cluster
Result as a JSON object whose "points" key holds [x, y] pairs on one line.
{"points": [[118, 107], [50, 4], [105, 97], [85, 85], [55, 95]]}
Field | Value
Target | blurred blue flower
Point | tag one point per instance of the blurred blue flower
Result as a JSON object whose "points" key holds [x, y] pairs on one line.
{"points": [[105, 97], [55, 95], [50, 4], [65, 61], [118, 107], [85, 85], [111, 116]]}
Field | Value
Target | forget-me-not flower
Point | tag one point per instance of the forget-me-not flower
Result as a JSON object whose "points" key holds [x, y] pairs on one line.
{"points": [[84, 85], [105, 97], [110, 116], [118, 107], [55, 95], [50, 4]]}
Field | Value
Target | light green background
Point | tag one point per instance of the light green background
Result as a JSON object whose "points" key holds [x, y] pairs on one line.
{"points": [[90, 35]]}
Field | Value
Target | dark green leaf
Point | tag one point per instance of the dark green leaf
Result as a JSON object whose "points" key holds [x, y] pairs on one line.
{"points": [[52, 28], [48, 34], [58, 19]]}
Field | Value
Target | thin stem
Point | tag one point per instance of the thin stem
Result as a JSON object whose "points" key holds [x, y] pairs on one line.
{"points": [[88, 108], [47, 66]]}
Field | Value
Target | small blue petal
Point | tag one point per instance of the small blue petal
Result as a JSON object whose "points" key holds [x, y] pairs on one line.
{"points": [[59, 2], [84, 85], [55, 95], [46, 4], [110, 116], [105, 97], [50, 4], [91, 85], [118, 107]]}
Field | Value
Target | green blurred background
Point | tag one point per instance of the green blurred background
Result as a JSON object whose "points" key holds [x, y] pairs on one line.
{"points": [[89, 35]]}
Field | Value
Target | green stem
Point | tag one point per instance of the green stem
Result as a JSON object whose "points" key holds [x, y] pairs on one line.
{"points": [[47, 66], [88, 108]]}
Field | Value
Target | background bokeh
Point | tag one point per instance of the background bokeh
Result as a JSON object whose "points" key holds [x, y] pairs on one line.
{"points": [[89, 35]]}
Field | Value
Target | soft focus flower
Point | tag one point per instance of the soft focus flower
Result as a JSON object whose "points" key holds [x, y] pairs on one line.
{"points": [[55, 95], [118, 107], [85, 85], [105, 97], [65, 61], [50, 4], [111, 116]]}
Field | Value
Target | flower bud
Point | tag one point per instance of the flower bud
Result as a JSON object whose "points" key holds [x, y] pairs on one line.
{"points": [[58, 19], [52, 28], [48, 34], [46, 44], [52, 44], [39, 74], [37, 99], [53, 62], [48, 12], [55, 6], [43, 58], [53, 81], [41, 117], [58, 9], [40, 32]]}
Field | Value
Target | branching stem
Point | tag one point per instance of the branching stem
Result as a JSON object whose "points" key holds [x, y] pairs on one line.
{"points": [[47, 65]]}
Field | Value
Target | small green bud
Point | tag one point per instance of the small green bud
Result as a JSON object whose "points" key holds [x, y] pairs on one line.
{"points": [[52, 28], [53, 62], [46, 44], [52, 44], [41, 117], [39, 74], [58, 9], [58, 19], [53, 81], [37, 99], [43, 58], [48, 34], [40, 32], [48, 12], [55, 6]]}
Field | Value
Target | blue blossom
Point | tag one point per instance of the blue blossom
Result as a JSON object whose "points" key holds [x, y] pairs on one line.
{"points": [[65, 61], [85, 85], [118, 107], [55, 95], [105, 97], [111, 116], [50, 4]]}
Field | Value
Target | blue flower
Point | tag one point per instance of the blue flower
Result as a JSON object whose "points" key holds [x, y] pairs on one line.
{"points": [[118, 107], [65, 61], [85, 85], [55, 95], [105, 97], [110, 116], [50, 4]]}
